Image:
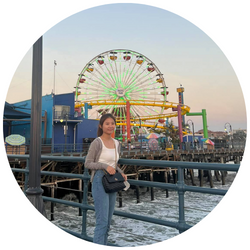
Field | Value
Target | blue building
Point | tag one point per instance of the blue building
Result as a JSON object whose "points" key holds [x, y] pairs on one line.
{"points": [[61, 124]]}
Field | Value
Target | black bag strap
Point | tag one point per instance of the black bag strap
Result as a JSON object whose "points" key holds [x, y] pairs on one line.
{"points": [[115, 156]]}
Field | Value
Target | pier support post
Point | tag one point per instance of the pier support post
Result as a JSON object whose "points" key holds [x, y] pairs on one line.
{"points": [[52, 205], [174, 175], [217, 175], [166, 180], [120, 198], [152, 189], [237, 160], [200, 175], [209, 175], [222, 172], [191, 171], [210, 178], [137, 190]]}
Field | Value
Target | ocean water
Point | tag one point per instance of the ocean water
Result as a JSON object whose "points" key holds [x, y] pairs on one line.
{"points": [[128, 232]]}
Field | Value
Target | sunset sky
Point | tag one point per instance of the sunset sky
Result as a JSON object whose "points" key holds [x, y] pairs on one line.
{"points": [[183, 53]]}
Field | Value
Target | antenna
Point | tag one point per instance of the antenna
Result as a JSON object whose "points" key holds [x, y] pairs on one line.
{"points": [[54, 88]]}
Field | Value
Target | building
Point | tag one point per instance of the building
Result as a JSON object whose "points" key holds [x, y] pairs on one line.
{"points": [[213, 134], [62, 127]]}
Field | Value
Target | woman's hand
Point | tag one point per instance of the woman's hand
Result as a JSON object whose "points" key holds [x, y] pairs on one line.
{"points": [[110, 170], [124, 176]]}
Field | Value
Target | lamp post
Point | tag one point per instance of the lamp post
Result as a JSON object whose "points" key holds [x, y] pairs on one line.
{"points": [[34, 192], [229, 131], [192, 124]]}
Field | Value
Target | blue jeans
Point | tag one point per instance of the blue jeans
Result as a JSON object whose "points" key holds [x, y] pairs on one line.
{"points": [[104, 209]]}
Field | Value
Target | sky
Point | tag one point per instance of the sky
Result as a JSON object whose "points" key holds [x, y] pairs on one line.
{"points": [[183, 53], [226, 22]]}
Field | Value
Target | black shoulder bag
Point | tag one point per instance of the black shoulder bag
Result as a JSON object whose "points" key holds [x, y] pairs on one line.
{"points": [[113, 183]]}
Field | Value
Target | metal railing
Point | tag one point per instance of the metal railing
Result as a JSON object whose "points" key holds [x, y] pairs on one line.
{"points": [[180, 187], [82, 148]]}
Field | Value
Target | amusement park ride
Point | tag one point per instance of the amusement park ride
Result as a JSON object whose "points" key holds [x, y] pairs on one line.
{"points": [[128, 85]]}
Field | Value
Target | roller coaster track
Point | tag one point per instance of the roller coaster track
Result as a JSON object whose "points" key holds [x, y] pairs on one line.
{"points": [[166, 105]]}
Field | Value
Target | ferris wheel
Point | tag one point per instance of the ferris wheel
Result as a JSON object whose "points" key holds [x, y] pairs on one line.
{"points": [[114, 77]]}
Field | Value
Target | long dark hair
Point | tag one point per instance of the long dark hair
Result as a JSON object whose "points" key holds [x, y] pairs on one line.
{"points": [[102, 120]]}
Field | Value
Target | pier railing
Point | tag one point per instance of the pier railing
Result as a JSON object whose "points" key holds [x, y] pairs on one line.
{"points": [[82, 148], [180, 187]]}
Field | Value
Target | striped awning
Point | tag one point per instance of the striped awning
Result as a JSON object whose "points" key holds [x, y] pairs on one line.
{"points": [[15, 140]]}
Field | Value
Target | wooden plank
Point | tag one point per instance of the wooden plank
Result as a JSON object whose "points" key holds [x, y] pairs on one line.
{"points": [[15, 150]]}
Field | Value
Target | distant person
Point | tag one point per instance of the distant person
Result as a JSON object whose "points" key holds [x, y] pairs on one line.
{"points": [[101, 156], [195, 144]]}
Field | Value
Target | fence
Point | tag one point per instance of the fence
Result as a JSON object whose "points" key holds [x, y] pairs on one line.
{"points": [[180, 187], [48, 148]]}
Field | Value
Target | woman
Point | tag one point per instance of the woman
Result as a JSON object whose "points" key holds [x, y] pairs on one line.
{"points": [[101, 156]]}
